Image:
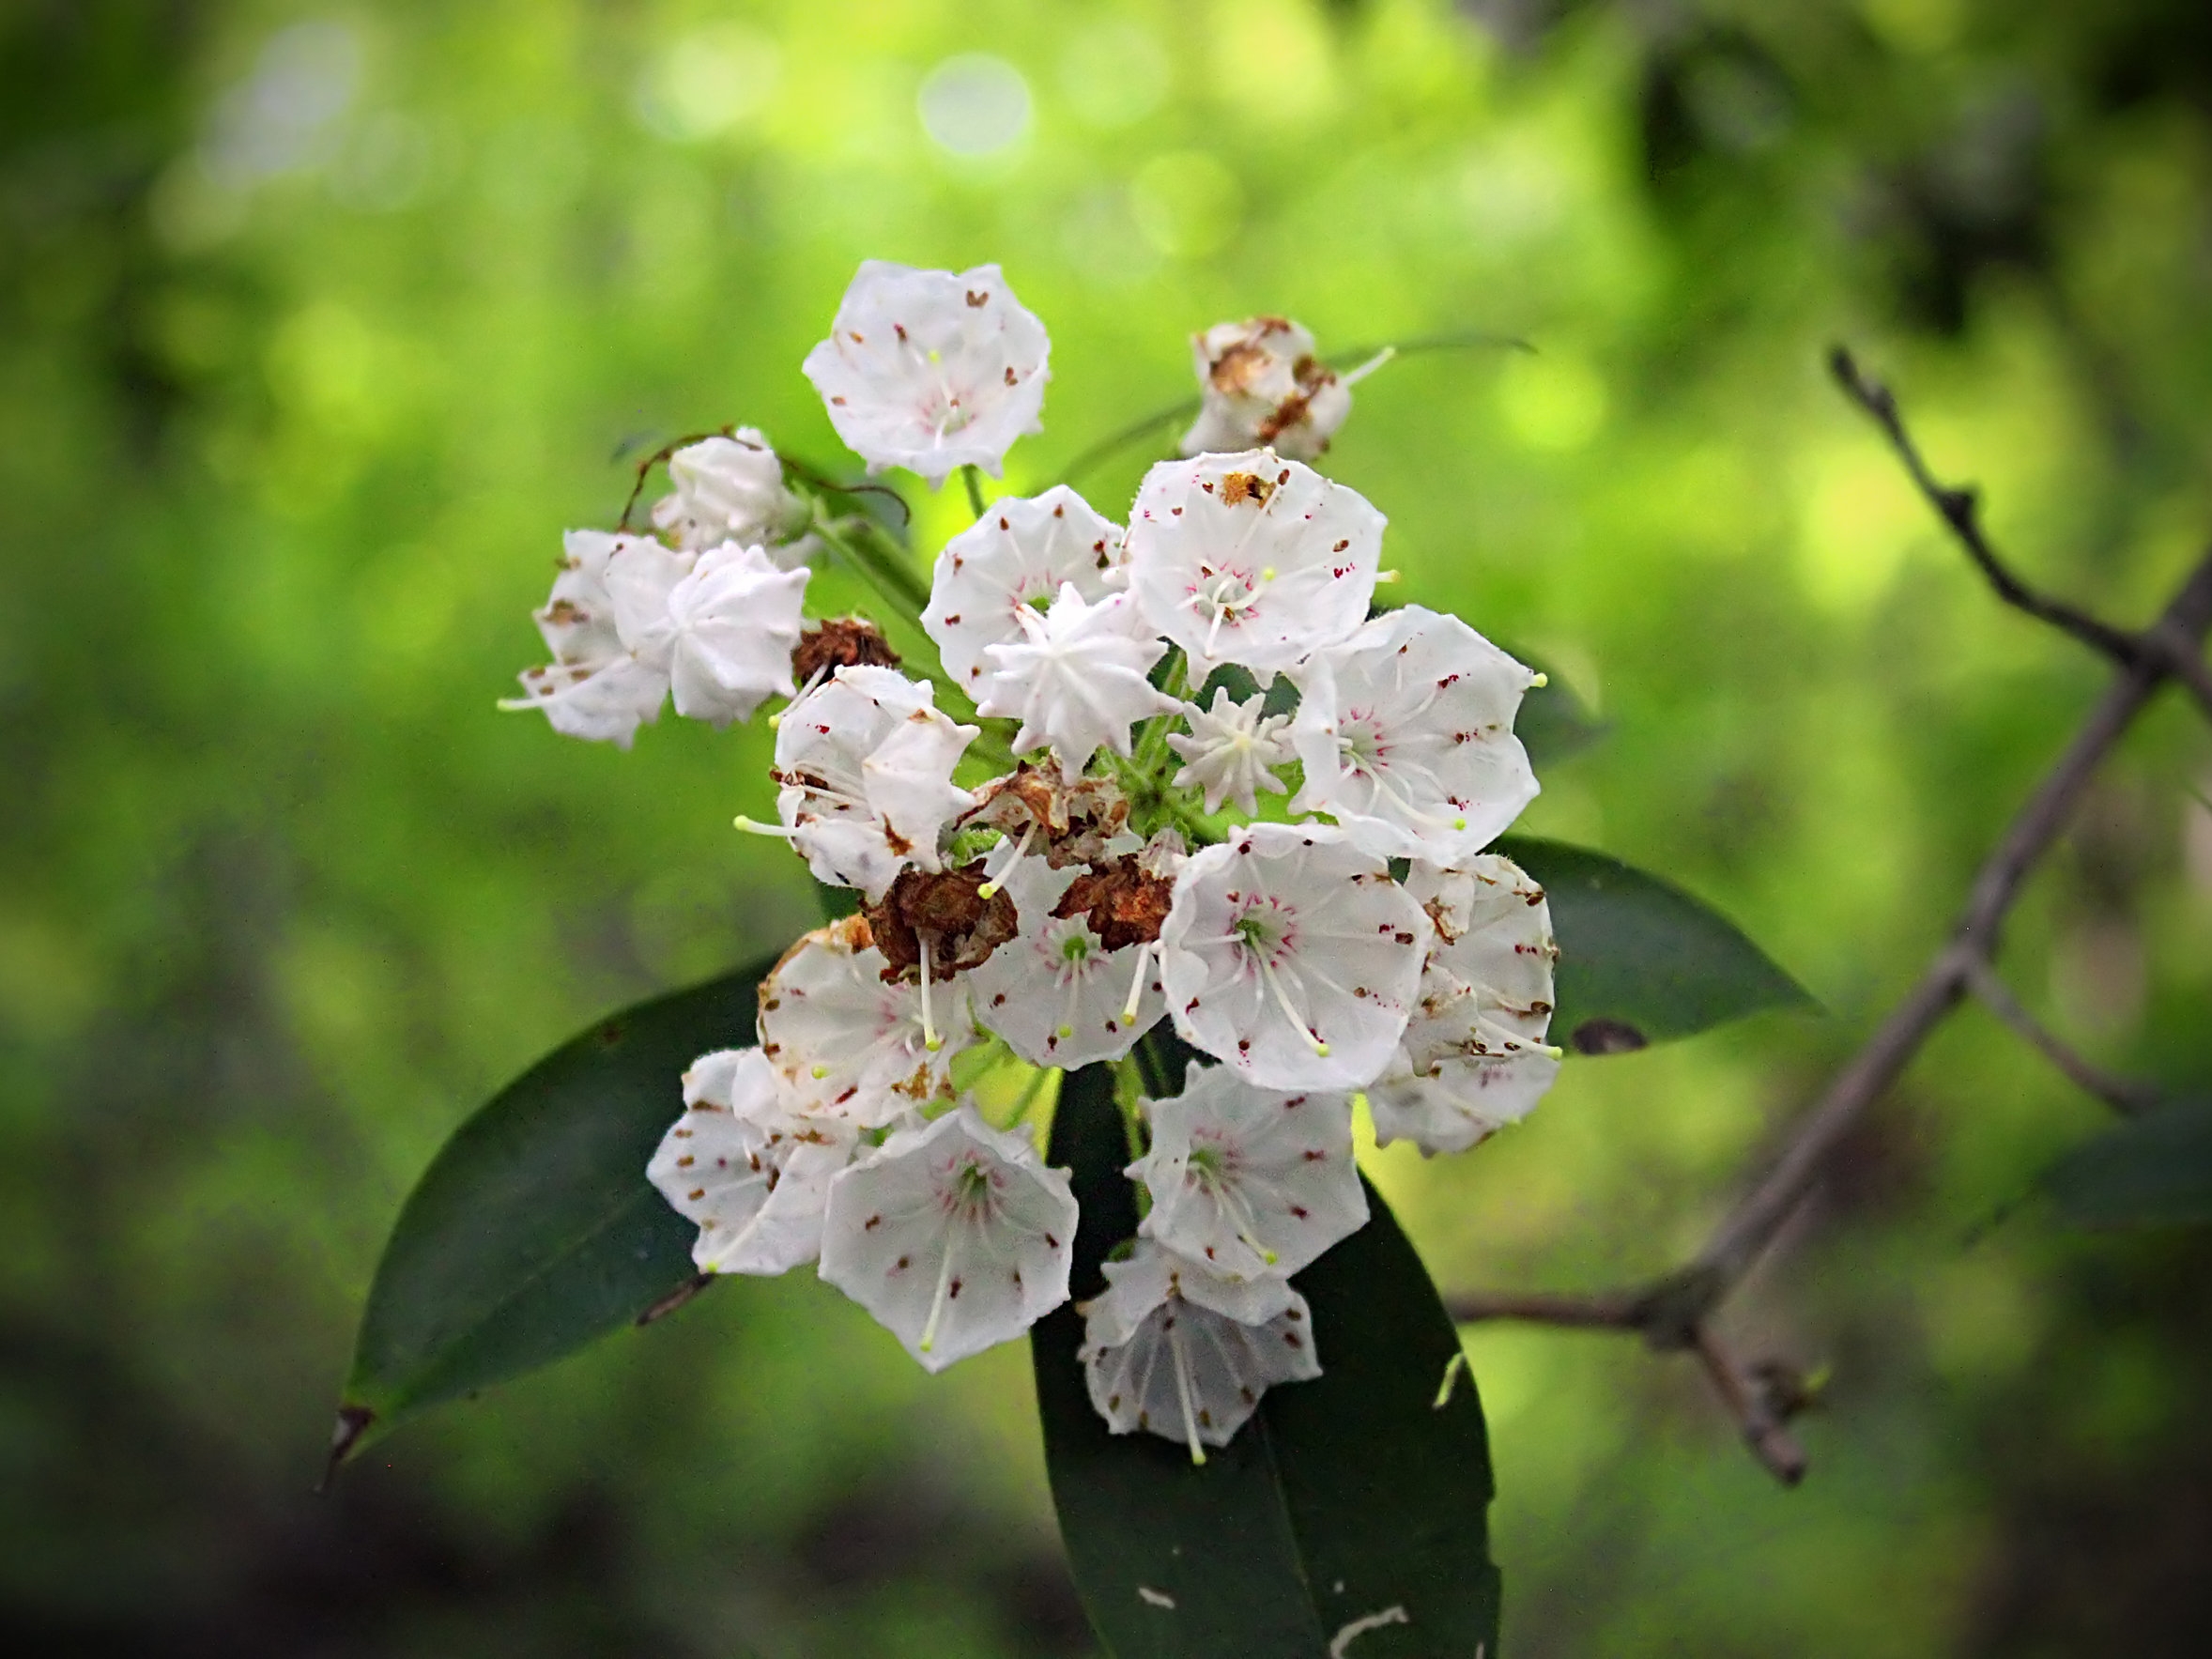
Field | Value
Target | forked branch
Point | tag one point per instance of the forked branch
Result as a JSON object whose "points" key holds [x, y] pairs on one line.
{"points": [[1676, 1311]]}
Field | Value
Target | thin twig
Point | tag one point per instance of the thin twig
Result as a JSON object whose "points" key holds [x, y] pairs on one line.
{"points": [[1957, 508], [2122, 1093]]}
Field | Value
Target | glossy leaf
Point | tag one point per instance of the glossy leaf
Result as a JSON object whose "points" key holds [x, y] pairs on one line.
{"points": [[1642, 960], [1356, 1497], [534, 1230], [2154, 1171]]}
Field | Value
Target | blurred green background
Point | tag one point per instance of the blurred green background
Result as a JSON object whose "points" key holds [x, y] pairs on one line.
{"points": [[318, 324]]}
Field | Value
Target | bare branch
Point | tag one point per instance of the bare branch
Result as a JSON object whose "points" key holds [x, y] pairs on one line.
{"points": [[1752, 1225], [1674, 1311], [1755, 1409], [2122, 1093], [1959, 508], [2184, 660]]}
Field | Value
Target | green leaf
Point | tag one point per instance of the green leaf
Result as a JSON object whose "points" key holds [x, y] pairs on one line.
{"points": [[1640, 960], [1342, 1499], [2154, 1171], [534, 1230]]}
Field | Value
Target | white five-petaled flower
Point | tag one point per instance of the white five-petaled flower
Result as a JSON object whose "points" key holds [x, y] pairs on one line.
{"points": [[956, 1236], [866, 762], [1473, 1057], [1290, 955], [718, 626], [1053, 992], [930, 370], [1171, 1349], [731, 489], [1230, 750], [1405, 730], [1250, 558], [594, 688], [1017, 555], [1249, 1182], [1262, 384], [754, 1176], [1075, 677], [846, 1044]]}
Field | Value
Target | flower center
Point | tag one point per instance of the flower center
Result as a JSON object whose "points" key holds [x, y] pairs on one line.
{"points": [[1229, 594]]}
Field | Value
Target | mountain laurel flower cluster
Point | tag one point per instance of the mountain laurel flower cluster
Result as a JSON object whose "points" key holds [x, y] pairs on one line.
{"points": [[1178, 773]]}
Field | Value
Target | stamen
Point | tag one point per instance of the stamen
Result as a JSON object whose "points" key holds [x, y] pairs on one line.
{"points": [[1129, 1009], [944, 1282], [753, 826], [930, 1040], [1214, 633], [1275, 984], [1174, 1349], [990, 888], [1232, 1204], [1368, 367], [1540, 681]]}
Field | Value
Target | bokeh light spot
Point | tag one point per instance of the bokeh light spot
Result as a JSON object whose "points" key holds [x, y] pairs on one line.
{"points": [[973, 104]]}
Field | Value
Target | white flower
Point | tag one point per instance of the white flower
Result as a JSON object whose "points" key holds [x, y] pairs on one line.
{"points": [[1250, 558], [1230, 750], [593, 688], [731, 489], [1407, 734], [1056, 992], [865, 763], [931, 371], [849, 1045], [753, 1175], [720, 624], [1017, 555], [955, 1237], [1075, 677], [1486, 989], [1171, 1349], [1291, 956], [1249, 1182], [1462, 1102], [1261, 385], [1473, 1056]]}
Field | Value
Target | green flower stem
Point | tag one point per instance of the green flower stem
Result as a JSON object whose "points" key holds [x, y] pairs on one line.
{"points": [[884, 569], [974, 479], [1152, 751], [883, 565]]}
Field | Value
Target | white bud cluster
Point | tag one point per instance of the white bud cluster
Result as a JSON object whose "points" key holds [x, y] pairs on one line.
{"points": [[1043, 914]]}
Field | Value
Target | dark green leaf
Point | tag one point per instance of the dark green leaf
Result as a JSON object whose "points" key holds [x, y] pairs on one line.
{"points": [[534, 1230], [1640, 960], [1343, 1499], [2155, 1171]]}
